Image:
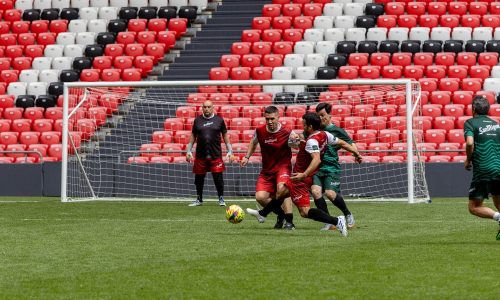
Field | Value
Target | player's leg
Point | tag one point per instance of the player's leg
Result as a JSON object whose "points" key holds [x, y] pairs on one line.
{"points": [[332, 192], [286, 206], [271, 206], [217, 167], [477, 193], [319, 201], [266, 190], [200, 167], [317, 214], [495, 195]]}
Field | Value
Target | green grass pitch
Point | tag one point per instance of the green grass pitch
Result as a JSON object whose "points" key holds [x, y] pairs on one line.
{"points": [[112, 250]]}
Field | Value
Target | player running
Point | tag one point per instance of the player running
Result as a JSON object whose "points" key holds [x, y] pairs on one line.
{"points": [[482, 146], [327, 179], [307, 163], [276, 164]]}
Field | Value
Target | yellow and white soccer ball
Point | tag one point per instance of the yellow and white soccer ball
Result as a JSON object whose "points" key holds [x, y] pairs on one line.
{"points": [[235, 214]]}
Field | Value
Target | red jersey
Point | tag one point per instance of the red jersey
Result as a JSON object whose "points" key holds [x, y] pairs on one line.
{"points": [[316, 142], [274, 148]]}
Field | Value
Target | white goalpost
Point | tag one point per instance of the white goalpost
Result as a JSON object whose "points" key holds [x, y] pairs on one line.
{"points": [[126, 140]]}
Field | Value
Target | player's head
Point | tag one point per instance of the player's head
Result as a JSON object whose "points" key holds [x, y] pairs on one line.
{"points": [[480, 105], [311, 122], [272, 115], [208, 108], [324, 112]]}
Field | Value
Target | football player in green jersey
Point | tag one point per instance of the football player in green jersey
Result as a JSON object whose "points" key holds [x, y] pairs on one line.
{"points": [[482, 146], [327, 179]]}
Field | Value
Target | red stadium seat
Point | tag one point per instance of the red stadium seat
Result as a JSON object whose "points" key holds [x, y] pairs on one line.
{"points": [[472, 84], [440, 97], [12, 15], [272, 60], [174, 151], [444, 122], [427, 149], [363, 110], [458, 71], [229, 112], [367, 136], [296, 111], [145, 37], [261, 73], [4, 125], [312, 9], [494, 110], [174, 124], [447, 147], [86, 126], [281, 23], [102, 62], [13, 113], [271, 35], [481, 72], [137, 25], [33, 51], [240, 73], [39, 151], [150, 150], [492, 21], [380, 59], [449, 84], [376, 123], [462, 97], [348, 72], [20, 27], [351, 97], [433, 110], [113, 50], [388, 136], [397, 122], [488, 58], [182, 136], [478, 8], [26, 39], [303, 22], [291, 35], [386, 110], [157, 25], [230, 61], [271, 10], [219, 98], [17, 150], [471, 21], [251, 112], [466, 58], [39, 26], [395, 8], [33, 113], [422, 122], [29, 137], [8, 137], [241, 48], [20, 125], [126, 37], [378, 149], [353, 123], [261, 23], [407, 21], [282, 48], [219, 73], [392, 72], [455, 136], [250, 35], [387, 21], [437, 8], [291, 10], [262, 98], [98, 114], [250, 60], [416, 8], [111, 75], [166, 37], [369, 72], [134, 49], [439, 158], [239, 123], [413, 71], [240, 99], [430, 21], [58, 26], [145, 63], [162, 137], [435, 71], [423, 59], [445, 58], [358, 59], [50, 137], [435, 136], [457, 8], [156, 50], [123, 62], [138, 160], [89, 75]]}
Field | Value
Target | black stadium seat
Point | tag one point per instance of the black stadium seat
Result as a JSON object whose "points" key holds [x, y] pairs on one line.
{"points": [[81, 63], [432, 46], [55, 88], [50, 14], [25, 101], [306, 97], [389, 47], [411, 46], [31, 15], [454, 46], [493, 46], [69, 76], [94, 50], [336, 60], [326, 73], [45, 101], [127, 13], [69, 14], [147, 12], [188, 12], [474, 46], [104, 38], [167, 12], [365, 22], [284, 98], [374, 9], [117, 25], [346, 47], [367, 47]]}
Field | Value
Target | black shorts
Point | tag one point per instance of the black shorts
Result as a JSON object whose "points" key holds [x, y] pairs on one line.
{"points": [[481, 190]]}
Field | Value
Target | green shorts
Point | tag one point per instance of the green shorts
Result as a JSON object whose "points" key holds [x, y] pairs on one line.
{"points": [[327, 181], [481, 190]]}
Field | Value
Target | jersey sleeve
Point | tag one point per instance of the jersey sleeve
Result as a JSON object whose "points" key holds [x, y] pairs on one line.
{"points": [[312, 146], [332, 140], [223, 128], [468, 129], [194, 130], [343, 135]]}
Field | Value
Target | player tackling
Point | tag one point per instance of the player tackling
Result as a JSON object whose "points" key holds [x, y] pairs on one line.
{"points": [[308, 160], [276, 164], [482, 146]]}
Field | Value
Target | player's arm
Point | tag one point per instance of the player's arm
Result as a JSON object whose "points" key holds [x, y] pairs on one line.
{"points": [[332, 140], [251, 149], [189, 147], [228, 146], [469, 145], [315, 162]]}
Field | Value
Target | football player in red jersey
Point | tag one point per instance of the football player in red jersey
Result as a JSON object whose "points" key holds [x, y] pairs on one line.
{"points": [[276, 164], [308, 160]]}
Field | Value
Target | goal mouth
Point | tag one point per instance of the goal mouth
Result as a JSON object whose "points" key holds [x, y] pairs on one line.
{"points": [[125, 141]]}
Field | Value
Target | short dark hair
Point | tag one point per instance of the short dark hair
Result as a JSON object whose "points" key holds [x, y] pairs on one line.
{"points": [[271, 109], [324, 105], [480, 105], [312, 119]]}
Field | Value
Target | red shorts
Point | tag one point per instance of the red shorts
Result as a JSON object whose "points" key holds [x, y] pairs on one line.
{"points": [[299, 191], [268, 182], [204, 165]]}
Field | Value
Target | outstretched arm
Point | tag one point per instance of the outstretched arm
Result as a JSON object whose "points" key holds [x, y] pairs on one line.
{"points": [[251, 149], [189, 148], [228, 146], [469, 150]]}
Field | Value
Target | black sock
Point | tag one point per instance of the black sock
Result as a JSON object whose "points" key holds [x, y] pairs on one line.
{"points": [[270, 207], [289, 218], [199, 182], [340, 203], [219, 183], [321, 204], [280, 213], [318, 215]]}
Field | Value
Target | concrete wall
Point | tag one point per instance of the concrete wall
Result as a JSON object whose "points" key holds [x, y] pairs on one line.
{"points": [[444, 180]]}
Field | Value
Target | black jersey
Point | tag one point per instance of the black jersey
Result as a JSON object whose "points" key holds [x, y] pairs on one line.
{"points": [[208, 136]]}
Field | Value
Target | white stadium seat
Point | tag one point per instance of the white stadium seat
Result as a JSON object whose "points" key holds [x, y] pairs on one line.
{"points": [[376, 34], [178, 3], [29, 76], [354, 9], [495, 72], [305, 73], [293, 60], [108, 13], [496, 35], [201, 4], [41, 63], [343, 1], [17, 88], [355, 34], [139, 3], [441, 33], [118, 3], [282, 73], [333, 9], [49, 76], [77, 26], [461, 33], [42, 4], [73, 50], [313, 35], [85, 38], [323, 22], [344, 22], [490, 84], [99, 3], [98, 25], [398, 34], [80, 3], [335, 34], [303, 47], [326, 47], [24, 4], [88, 13], [37, 88], [420, 34], [157, 3], [362, 1], [66, 38], [62, 63], [315, 60], [53, 50], [60, 3], [482, 33]]}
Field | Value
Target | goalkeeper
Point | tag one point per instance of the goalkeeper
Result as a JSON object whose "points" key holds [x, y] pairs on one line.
{"points": [[327, 179]]}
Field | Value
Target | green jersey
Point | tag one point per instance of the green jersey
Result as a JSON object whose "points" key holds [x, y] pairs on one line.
{"points": [[486, 155], [330, 160]]}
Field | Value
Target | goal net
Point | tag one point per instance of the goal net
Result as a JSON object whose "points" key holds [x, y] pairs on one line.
{"points": [[127, 140]]}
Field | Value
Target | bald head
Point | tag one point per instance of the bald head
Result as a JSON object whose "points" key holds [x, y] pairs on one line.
{"points": [[208, 108]]}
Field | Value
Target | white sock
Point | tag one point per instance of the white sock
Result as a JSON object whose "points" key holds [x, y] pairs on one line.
{"points": [[496, 216]]}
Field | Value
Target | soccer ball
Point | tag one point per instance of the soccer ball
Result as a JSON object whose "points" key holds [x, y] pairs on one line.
{"points": [[235, 214]]}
